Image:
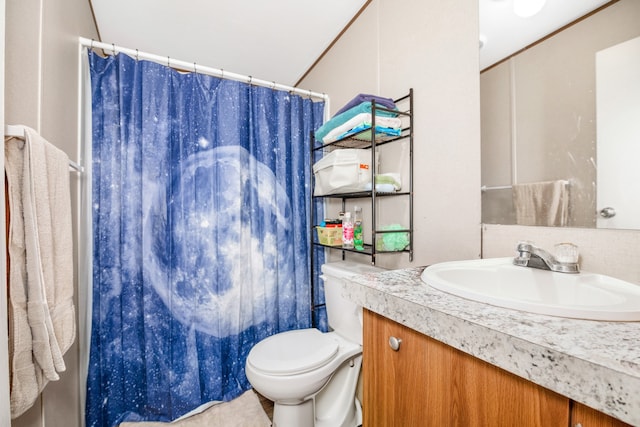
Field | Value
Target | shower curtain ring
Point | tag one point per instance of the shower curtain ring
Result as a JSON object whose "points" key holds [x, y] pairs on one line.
{"points": [[250, 80], [113, 47], [91, 46], [273, 86], [137, 55], [222, 73], [195, 68]]}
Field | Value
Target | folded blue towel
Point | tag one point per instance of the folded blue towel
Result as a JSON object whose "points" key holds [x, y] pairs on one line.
{"points": [[363, 97], [338, 119], [380, 130]]}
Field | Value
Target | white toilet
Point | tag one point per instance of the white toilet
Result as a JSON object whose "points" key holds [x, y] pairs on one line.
{"points": [[312, 376]]}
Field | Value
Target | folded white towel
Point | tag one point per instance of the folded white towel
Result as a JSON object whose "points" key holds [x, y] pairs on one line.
{"points": [[334, 134], [41, 266], [381, 188], [386, 183]]}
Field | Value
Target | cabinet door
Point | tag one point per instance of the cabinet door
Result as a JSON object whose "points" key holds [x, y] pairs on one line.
{"points": [[427, 383], [394, 382], [584, 416]]}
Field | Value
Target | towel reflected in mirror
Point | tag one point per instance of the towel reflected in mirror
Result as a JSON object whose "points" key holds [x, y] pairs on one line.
{"points": [[542, 203]]}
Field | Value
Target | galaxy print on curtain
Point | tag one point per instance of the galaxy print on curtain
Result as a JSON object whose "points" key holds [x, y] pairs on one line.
{"points": [[201, 193]]}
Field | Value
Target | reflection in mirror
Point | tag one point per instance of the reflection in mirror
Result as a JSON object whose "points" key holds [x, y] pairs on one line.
{"points": [[540, 125], [618, 134]]}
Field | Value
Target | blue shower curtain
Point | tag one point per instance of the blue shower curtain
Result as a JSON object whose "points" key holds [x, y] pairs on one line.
{"points": [[201, 193]]}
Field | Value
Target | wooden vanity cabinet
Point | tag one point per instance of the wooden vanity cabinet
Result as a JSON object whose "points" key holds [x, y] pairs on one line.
{"points": [[427, 383]]}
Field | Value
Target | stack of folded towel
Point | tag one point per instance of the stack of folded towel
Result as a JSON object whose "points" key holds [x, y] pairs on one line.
{"points": [[355, 118], [386, 183]]}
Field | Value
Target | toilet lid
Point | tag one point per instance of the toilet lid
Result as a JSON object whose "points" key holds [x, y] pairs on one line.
{"points": [[293, 352]]}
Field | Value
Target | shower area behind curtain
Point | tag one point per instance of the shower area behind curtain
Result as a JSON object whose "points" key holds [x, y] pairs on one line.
{"points": [[201, 194]]}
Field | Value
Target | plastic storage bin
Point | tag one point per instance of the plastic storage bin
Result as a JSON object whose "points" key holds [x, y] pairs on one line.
{"points": [[342, 171]]}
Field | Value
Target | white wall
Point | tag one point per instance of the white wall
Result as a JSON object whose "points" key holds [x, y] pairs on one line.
{"points": [[431, 46], [41, 67]]}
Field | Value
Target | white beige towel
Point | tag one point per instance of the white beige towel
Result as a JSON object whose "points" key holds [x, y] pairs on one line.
{"points": [[542, 203], [42, 315]]}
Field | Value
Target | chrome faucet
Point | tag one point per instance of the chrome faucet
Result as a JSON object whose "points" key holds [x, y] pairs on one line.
{"points": [[532, 256]]}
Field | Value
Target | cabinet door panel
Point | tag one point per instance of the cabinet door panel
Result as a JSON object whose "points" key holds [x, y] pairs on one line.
{"points": [[587, 417], [427, 383]]}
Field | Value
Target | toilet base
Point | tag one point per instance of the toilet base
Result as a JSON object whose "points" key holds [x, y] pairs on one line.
{"points": [[301, 415]]}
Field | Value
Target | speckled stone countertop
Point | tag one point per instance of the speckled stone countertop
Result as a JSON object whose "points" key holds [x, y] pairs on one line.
{"points": [[592, 362]]}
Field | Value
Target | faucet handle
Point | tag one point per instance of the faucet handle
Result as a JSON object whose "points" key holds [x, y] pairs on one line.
{"points": [[523, 253], [566, 253], [523, 244], [523, 247]]}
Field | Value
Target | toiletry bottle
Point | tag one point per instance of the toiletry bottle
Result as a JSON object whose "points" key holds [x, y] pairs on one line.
{"points": [[358, 241], [347, 231]]}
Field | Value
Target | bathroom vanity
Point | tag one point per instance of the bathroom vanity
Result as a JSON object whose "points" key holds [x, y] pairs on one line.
{"points": [[461, 362]]}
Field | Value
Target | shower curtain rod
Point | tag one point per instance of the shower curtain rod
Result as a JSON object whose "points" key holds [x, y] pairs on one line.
{"points": [[192, 66]]}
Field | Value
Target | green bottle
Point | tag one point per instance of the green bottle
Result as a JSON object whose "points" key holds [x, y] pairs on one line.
{"points": [[358, 242]]}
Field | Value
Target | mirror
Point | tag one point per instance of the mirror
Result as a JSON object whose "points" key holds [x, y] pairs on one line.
{"points": [[541, 121]]}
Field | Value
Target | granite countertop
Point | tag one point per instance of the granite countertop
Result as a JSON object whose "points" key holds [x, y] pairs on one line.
{"points": [[592, 362]]}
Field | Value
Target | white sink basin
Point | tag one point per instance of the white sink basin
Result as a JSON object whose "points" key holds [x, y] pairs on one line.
{"points": [[497, 281]]}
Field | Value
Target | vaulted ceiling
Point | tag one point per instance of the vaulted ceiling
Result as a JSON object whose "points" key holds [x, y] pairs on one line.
{"points": [[276, 40], [279, 40]]}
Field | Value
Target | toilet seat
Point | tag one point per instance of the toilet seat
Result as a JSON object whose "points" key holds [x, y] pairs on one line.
{"points": [[293, 352]]}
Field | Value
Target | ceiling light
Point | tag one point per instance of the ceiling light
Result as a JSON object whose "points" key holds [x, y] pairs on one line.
{"points": [[527, 8]]}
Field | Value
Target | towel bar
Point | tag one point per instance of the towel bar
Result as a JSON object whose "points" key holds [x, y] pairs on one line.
{"points": [[16, 131], [505, 187]]}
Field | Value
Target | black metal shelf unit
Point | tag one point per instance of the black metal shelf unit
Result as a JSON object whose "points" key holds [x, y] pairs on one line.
{"points": [[405, 105]]}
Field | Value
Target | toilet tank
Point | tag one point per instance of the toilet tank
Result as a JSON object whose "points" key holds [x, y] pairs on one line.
{"points": [[343, 316]]}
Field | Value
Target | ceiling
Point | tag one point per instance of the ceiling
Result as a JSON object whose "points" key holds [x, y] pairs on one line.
{"points": [[276, 40], [279, 40]]}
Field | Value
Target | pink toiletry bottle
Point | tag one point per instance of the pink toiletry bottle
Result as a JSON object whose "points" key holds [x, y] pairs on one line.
{"points": [[347, 231]]}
